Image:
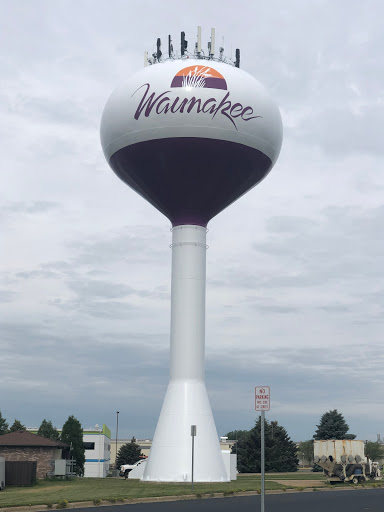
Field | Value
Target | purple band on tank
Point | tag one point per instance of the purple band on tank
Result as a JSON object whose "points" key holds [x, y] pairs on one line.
{"points": [[209, 83], [190, 179]]}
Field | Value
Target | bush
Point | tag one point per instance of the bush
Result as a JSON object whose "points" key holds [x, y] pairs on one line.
{"points": [[62, 504]]}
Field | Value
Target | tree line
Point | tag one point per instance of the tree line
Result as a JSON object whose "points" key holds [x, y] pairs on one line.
{"points": [[333, 426], [281, 453], [71, 434]]}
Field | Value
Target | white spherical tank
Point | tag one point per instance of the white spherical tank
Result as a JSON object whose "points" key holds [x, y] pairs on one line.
{"points": [[190, 136]]}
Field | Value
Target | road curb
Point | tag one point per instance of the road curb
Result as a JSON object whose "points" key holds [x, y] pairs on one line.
{"points": [[159, 499]]}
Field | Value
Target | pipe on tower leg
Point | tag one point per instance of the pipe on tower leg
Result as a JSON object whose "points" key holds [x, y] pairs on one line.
{"points": [[186, 401]]}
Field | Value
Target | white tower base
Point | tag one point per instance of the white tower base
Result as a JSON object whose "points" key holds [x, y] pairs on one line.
{"points": [[186, 402]]}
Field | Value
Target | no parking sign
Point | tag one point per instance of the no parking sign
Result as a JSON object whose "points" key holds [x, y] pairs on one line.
{"points": [[262, 398]]}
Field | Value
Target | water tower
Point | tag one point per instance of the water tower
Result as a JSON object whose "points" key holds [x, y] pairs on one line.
{"points": [[190, 133]]}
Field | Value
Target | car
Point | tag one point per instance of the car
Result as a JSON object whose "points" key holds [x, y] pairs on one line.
{"points": [[126, 468]]}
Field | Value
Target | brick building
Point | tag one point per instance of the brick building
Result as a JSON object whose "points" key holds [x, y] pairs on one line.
{"points": [[23, 446]]}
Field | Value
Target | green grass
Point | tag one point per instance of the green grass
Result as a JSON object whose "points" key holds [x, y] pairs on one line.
{"points": [[90, 489], [294, 476]]}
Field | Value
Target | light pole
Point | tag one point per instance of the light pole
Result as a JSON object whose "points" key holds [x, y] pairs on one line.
{"points": [[193, 434], [117, 431]]}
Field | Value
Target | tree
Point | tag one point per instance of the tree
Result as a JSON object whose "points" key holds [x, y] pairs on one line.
{"points": [[237, 435], [280, 451], [17, 425], [47, 430], [72, 434], [3, 425], [128, 454], [305, 451], [374, 451], [332, 426]]}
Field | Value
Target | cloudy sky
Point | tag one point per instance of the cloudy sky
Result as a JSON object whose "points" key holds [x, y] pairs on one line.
{"points": [[295, 288]]}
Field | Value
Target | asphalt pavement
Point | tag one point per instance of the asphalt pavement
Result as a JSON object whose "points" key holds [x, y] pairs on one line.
{"points": [[368, 500]]}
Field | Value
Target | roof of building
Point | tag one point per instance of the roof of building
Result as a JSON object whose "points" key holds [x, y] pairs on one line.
{"points": [[23, 438]]}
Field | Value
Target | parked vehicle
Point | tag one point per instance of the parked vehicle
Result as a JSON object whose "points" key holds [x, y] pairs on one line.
{"points": [[125, 469], [344, 460]]}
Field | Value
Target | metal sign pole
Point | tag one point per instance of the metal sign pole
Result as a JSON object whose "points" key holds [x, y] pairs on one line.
{"points": [[262, 404], [262, 461], [193, 434], [117, 431]]}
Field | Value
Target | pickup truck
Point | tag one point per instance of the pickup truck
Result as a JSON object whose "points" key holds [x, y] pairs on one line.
{"points": [[126, 468]]}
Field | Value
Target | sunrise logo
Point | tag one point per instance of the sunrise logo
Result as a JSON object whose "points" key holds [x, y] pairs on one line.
{"points": [[199, 76]]}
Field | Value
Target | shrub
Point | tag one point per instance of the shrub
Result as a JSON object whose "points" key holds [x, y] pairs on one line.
{"points": [[97, 501], [62, 504]]}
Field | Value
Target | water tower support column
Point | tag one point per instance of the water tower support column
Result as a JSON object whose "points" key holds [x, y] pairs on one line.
{"points": [[186, 402]]}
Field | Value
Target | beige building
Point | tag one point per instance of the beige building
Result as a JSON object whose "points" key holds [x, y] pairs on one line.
{"points": [[145, 445]]}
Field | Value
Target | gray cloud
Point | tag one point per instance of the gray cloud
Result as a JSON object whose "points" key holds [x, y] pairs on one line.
{"points": [[295, 289], [35, 274], [96, 288], [114, 310], [342, 131], [7, 295], [28, 207], [337, 246], [140, 244], [55, 111]]}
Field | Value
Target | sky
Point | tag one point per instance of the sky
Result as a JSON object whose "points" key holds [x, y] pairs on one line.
{"points": [[295, 287]]}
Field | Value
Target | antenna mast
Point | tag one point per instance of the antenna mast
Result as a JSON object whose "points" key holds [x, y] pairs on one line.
{"points": [[212, 45], [237, 61], [198, 53], [198, 44]]}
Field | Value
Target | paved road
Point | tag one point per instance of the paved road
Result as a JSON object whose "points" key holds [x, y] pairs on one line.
{"points": [[329, 501]]}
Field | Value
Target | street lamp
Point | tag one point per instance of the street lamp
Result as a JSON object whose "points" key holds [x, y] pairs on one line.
{"points": [[117, 431]]}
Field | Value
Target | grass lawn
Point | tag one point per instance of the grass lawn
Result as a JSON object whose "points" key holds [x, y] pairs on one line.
{"points": [[88, 489], [294, 476]]}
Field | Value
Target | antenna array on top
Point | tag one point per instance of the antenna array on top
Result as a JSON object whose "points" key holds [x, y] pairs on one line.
{"points": [[198, 52]]}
